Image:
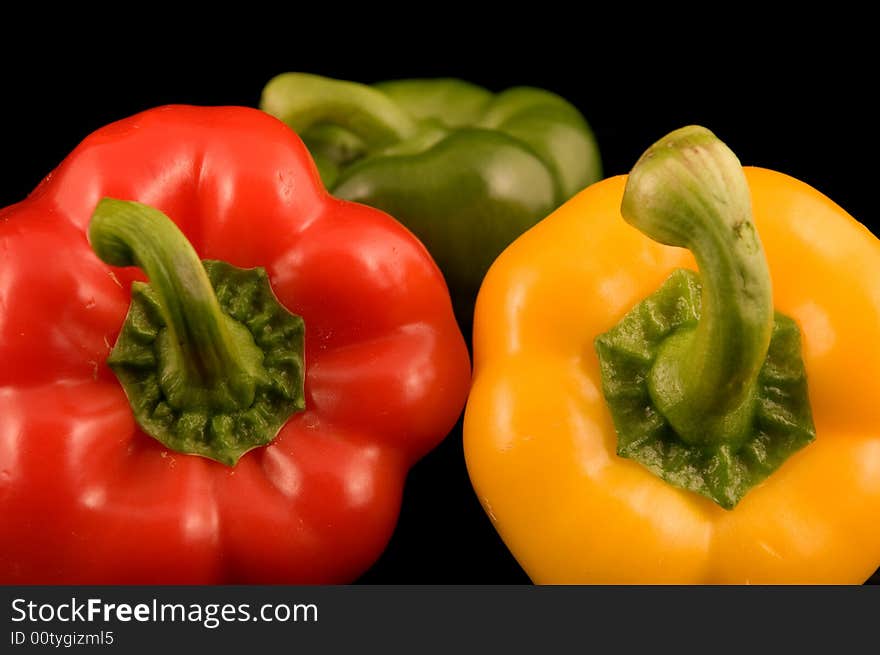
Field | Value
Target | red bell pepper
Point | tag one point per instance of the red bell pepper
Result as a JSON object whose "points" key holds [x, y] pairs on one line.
{"points": [[86, 495]]}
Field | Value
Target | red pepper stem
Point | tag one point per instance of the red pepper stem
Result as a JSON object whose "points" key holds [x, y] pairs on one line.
{"points": [[208, 363]]}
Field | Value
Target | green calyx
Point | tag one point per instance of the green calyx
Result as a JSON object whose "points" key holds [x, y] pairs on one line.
{"points": [[705, 382], [212, 364], [466, 170]]}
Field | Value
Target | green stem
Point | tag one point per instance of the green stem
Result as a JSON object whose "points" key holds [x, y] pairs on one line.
{"points": [[689, 190], [206, 365], [303, 100]]}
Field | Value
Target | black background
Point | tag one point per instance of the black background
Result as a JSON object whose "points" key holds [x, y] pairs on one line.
{"points": [[802, 106]]}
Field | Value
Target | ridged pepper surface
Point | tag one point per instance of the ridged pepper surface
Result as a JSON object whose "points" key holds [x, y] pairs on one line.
{"points": [[252, 424]]}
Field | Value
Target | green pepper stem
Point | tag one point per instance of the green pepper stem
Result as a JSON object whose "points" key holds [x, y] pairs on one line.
{"points": [[207, 367], [689, 190], [302, 100]]}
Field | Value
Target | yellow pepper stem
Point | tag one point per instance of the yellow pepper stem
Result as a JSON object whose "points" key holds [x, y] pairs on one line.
{"points": [[689, 190]]}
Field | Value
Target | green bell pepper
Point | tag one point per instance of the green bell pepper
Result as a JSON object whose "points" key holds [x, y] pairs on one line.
{"points": [[466, 170]]}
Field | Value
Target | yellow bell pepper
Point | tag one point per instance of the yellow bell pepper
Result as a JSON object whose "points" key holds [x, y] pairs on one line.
{"points": [[542, 431]]}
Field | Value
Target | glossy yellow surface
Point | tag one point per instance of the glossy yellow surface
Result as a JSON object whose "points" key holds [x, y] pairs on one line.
{"points": [[540, 443]]}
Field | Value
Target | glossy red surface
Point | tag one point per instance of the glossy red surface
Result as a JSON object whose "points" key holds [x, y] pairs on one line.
{"points": [[86, 497]]}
